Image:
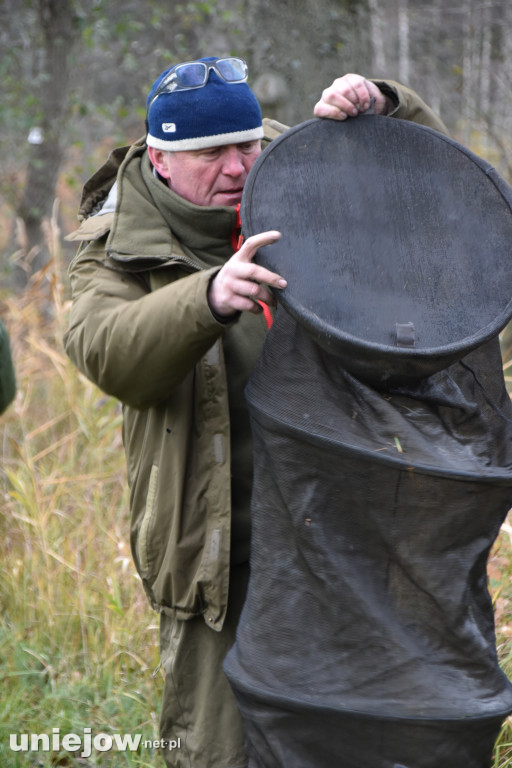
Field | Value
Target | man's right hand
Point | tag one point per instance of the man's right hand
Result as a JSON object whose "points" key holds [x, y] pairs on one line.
{"points": [[240, 284]]}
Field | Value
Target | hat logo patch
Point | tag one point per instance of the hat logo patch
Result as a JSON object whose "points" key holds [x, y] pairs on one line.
{"points": [[169, 127]]}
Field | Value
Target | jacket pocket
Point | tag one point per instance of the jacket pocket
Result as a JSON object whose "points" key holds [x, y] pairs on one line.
{"points": [[147, 522]]}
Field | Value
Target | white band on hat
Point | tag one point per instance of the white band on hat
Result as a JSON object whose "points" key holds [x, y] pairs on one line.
{"points": [[203, 142]]}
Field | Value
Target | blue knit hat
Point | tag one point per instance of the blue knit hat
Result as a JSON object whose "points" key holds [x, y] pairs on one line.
{"points": [[216, 114]]}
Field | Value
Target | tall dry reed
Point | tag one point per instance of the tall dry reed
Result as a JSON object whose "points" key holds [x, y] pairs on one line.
{"points": [[78, 642]]}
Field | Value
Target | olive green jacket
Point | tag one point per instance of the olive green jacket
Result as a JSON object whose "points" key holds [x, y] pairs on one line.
{"points": [[140, 327], [7, 376]]}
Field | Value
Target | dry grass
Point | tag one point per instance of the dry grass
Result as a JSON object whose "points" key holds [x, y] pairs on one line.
{"points": [[79, 643]]}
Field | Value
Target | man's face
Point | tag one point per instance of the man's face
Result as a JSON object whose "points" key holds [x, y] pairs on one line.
{"points": [[213, 176]]}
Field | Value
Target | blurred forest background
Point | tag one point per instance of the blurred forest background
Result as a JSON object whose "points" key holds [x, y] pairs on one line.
{"points": [[78, 642], [75, 74]]}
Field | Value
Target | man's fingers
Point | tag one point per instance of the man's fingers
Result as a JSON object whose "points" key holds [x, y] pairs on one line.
{"points": [[252, 244], [257, 273], [240, 283], [360, 95], [335, 107], [253, 290], [347, 97]]}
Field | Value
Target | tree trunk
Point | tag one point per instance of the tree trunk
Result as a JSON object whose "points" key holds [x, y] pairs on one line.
{"points": [[296, 48], [469, 85], [403, 42], [56, 19], [376, 24]]}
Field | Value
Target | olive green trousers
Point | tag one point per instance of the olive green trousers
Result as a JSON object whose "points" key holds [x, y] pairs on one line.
{"points": [[200, 721]]}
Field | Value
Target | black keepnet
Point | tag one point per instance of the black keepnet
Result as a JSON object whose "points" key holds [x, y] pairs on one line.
{"points": [[367, 638]]}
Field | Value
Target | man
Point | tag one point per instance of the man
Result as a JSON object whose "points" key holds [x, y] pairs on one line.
{"points": [[167, 316]]}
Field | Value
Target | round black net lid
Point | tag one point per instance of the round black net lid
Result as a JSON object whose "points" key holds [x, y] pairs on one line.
{"points": [[396, 242]]}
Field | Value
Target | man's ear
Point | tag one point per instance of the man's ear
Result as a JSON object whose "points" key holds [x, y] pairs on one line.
{"points": [[158, 158]]}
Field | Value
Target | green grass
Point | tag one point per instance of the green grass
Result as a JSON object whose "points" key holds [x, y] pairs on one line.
{"points": [[78, 643]]}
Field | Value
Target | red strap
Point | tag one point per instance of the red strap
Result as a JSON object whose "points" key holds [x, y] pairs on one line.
{"points": [[236, 236], [237, 240], [266, 313]]}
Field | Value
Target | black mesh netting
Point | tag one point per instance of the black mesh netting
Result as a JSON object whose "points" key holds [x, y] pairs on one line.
{"points": [[367, 638]]}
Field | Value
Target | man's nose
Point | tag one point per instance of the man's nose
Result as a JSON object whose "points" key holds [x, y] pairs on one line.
{"points": [[233, 165]]}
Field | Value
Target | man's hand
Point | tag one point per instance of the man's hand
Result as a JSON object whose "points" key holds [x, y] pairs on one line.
{"points": [[348, 96], [240, 283]]}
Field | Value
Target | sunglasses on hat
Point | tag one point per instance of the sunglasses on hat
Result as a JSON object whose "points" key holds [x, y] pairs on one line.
{"points": [[195, 74]]}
